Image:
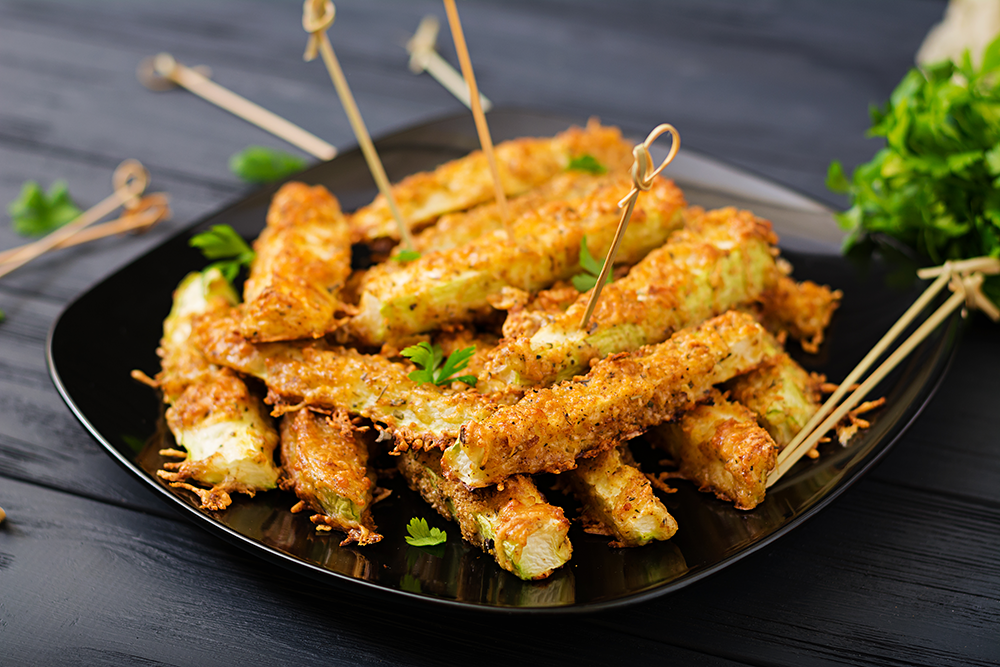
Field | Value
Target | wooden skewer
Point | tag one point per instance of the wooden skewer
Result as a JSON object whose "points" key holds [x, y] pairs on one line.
{"points": [[130, 180], [161, 72], [317, 17], [151, 210], [424, 58], [967, 290], [642, 179], [477, 110]]}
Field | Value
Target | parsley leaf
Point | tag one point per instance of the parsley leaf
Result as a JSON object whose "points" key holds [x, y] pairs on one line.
{"points": [[221, 242], [35, 213], [935, 186], [405, 256], [587, 163], [258, 164], [421, 535], [591, 270], [3, 316], [428, 358]]}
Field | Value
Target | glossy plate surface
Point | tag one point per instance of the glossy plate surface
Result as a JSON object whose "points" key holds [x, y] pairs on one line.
{"points": [[90, 366]]}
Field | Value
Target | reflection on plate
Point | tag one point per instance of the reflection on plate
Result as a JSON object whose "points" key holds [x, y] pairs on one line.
{"points": [[90, 366]]}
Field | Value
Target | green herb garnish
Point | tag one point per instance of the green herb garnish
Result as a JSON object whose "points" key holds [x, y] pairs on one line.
{"points": [[35, 213], [935, 187], [421, 535], [429, 359], [587, 163], [3, 316], [222, 243], [404, 256], [591, 270], [259, 164]]}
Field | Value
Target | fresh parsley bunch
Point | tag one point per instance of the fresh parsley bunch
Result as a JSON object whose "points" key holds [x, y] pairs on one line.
{"points": [[429, 357], [935, 187]]}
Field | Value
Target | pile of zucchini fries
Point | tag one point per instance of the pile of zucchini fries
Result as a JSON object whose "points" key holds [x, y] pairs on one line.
{"points": [[683, 346]]}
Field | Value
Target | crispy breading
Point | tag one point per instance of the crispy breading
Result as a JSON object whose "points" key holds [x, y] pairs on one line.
{"points": [[720, 260], [803, 309], [542, 246], [515, 525], [303, 260], [312, 374], [618, 498], [621, 396], [325, 463], [719, 446], [229, 439], [460, 184]]}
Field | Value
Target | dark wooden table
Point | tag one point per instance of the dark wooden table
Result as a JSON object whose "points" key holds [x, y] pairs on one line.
{"points": [[904, 568]]}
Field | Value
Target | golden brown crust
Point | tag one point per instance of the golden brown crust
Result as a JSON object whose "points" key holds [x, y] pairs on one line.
{"points": [[325, 463], [460, 184], [803, 309], [303, 260], [622, 395]]}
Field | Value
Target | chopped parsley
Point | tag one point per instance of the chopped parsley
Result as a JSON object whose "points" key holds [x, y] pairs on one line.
{"points": [[429, 359], [35, 212], [587, 163], [421, 535], [259, 164], [587, 280], [405, 256], [222, 243]]}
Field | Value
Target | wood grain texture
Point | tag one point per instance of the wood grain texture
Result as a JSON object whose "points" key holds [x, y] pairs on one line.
{"points": [[94, 569]]}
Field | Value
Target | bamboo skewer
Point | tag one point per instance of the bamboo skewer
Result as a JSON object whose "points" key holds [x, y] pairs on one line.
{"points": [[642, 180], [160, 72], [965, 279], [477, 110], [129, 179], [424, 58], [317, 17]]}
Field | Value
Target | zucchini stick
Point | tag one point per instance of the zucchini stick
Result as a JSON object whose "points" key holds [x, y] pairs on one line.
{"points": [[325, 463], [461, 184], [228, 437], [618, 499], [802, 309], [538, 248], [721, 260], [719, 446], [622, 395], [526, 535]]}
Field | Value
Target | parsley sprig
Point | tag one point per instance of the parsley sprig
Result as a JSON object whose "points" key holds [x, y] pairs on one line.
{"points": [[259, 164], [429, 360], [222, 243], [36, 212], [406, 256], [587, 163], [935, 186], [421, 535], [591, 270]]}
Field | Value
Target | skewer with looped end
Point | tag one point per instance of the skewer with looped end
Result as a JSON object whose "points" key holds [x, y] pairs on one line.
{"points": [[424, 58], [129, 180], [965, 278], [317, 17], [643, 176], [477, 110], [162, 72]]}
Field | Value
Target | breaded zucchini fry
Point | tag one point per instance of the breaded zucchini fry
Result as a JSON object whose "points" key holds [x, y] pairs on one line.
{"points": [[301, 374], [719, 446], [543, 246], [802, 309], [618, 499], [303, 260], [460, 184], [621, 396], [515, 525], [722, 259], [228, 437], [325, 463]]}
